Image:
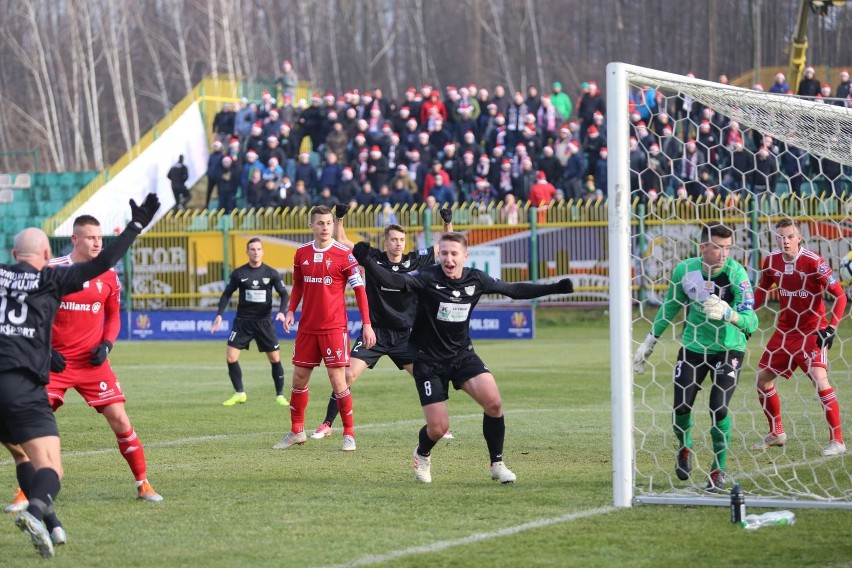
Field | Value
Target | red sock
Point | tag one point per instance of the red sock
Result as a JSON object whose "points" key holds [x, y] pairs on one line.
{"points": [[344, 404], [771, 404], [832, 413], [132, 451], [298, 404]]}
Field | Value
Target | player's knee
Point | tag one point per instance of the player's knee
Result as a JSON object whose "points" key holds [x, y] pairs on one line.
{"points": [[493, 407]]}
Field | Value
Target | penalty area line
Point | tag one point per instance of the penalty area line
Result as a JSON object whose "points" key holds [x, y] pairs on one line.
{"points": [[473, 539]]}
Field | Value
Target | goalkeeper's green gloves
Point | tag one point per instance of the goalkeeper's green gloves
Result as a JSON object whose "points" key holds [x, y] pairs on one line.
{"points": [[643, 352], [716, 308]]}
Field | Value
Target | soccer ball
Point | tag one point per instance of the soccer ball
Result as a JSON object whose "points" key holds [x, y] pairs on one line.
{"points": [[844, 271]]}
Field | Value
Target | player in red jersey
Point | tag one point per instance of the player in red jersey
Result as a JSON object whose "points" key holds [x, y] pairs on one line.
{"points": [[801, 338], [321, 269], [84, 331]]}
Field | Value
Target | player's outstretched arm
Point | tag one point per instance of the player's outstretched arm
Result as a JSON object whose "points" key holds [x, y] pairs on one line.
{"points": [[528, 290], [339, 232], [384, 277], [141, 216]]}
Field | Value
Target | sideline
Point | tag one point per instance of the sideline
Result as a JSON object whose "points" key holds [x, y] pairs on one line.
{"points": [[472, 539]]}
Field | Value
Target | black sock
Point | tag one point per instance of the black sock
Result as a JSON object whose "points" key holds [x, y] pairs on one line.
{"points": [[25, 473], [494, 430], [331, 411], [278, 377], [236, 375], [44, 487], [426, 443]]}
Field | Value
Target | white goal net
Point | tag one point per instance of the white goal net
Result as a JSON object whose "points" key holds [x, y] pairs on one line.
{"points": [[692, 152]]}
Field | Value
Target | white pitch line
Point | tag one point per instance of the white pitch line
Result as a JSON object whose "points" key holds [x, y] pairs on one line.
{"points": [[381, 425], [472, 539]]}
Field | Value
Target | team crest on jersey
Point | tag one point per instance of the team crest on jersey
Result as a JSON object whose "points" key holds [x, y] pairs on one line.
{"points": [[100, 286], [266, 280], [338, 354], [788, 269], [406, 264], [469, 290], [317, 257]]}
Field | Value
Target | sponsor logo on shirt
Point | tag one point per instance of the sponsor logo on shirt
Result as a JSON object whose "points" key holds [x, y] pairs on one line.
{"points": [[316, 280]]}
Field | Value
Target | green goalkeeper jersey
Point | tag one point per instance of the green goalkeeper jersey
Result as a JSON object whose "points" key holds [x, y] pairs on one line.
{"points": [[690, 286]]}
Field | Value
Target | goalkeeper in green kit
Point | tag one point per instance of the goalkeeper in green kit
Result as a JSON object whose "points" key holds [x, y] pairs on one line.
{"points": [[719, 302]]}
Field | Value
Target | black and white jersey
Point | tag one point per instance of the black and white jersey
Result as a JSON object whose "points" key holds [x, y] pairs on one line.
{"points": [[255, 286], [29, 299], [391, 308]]}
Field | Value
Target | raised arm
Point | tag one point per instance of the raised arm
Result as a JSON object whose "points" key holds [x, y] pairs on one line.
{"points": [[339, 233], [394, 280]]}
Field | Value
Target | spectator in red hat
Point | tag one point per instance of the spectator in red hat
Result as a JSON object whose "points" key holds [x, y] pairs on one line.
{"points": [[592, 147], [541, 194], [548, 164], [288, 80], [589, 103], [432, 108]]}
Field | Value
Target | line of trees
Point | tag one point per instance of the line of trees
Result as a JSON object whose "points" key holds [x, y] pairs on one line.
{"points": [[81, 80]]}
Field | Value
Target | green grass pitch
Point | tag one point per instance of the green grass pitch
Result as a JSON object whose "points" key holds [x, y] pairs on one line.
{"points": [[231, 500]]}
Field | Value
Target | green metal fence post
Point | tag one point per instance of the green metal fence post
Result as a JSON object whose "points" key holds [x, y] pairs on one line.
{"points": [[427, 227], [226, 267], [533, 244]]}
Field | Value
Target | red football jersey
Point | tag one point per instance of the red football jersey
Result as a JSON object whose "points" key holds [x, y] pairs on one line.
{"points": [[87, 317], [319, 281], [800, 283]]}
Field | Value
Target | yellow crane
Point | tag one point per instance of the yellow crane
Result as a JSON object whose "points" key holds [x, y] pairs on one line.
{"points": [[799, 50]]}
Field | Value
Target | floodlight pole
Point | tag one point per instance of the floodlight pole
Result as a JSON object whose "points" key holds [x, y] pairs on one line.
{"points": [[620, 278]]}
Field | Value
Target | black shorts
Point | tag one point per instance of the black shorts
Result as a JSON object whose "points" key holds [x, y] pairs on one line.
{"points": [[261, 330], [432, 378], [390, 342], [25, 412]]}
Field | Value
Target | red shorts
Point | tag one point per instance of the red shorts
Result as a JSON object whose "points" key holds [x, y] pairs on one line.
{"points": [[97, 385], [786, 352], [329, 348]]}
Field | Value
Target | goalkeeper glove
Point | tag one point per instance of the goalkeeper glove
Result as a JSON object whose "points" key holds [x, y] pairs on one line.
{"points": [[718, 309], [446, 215], [57, 361], [141, 215], [642, 354], [360, 252], [99, 353], [340, 210], [566, 286], [825, 337]]}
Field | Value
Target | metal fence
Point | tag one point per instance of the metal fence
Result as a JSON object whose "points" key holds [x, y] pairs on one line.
{"points": [[185, 260]]}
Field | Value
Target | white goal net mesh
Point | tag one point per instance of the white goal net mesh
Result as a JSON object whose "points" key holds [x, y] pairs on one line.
{"points": [[702, 152]]}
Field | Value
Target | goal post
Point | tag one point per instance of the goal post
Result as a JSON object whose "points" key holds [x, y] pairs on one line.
{"points": [[649, 236]]}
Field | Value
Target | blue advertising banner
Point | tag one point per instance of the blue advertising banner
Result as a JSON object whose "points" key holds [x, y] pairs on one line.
{"points": [[485, 323]]}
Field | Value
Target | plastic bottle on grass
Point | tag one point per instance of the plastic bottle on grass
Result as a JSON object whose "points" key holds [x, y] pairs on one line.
{"points": [[754, 522], [738, 508]]}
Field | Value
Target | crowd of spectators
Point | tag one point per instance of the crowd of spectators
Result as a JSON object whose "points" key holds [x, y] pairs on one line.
{"points": [[469, 144]]}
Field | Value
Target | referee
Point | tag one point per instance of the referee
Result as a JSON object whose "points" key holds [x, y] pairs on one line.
{"points": [[255, 281], [31, 293]]}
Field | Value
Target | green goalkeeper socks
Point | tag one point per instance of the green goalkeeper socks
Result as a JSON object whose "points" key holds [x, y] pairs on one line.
{"points": [[721, 435], [683, 429]]}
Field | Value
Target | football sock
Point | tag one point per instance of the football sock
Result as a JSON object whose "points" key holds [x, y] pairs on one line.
{"points": [[721, 435], [683, 429], [771, 404], [344, 404], [44, 487], [25, 473], [331, 411], [298, 404], [133, 452], [236, 375], [426, 444], [494, 430], [277, 378], [832, 413]]}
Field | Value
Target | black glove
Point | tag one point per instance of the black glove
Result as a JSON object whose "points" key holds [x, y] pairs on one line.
{"points": [[565, 286], [340, 210], [57, 361], [99, 353], [141, 215], [360, 252], [825, 337], [446, 215]]}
